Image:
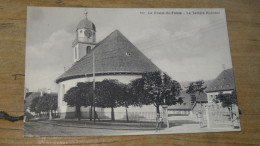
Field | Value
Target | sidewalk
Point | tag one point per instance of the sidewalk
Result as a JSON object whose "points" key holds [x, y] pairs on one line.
{"points": [[186, 128]]}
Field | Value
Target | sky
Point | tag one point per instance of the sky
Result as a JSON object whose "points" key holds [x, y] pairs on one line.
{"points": [[189, 46]]}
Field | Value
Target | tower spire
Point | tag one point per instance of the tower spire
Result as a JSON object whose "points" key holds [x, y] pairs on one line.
{"points": [[86, 12]]}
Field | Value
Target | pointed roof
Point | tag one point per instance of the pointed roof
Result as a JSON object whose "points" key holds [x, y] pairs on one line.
{"points": [[186, 102], [201, 97], [86, 24], [225, 81], [113, 55]]}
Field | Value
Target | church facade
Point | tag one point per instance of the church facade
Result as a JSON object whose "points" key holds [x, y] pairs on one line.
{"points": [[115, 57]]}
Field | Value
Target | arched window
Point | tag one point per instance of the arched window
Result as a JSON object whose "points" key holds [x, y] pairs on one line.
{"points": [[76, 53], [94, 37], [62, 94], [88, 49]]}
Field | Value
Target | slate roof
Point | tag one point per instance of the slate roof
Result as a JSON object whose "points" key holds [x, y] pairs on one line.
{"points": [[201, 97], [186, 97], [114, 54], [186, 105], [224, 81]]}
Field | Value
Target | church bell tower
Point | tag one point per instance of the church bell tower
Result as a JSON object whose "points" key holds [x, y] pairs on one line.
{"points": [[85, 38]]}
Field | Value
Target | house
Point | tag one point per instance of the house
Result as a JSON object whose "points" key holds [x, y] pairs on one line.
{"points": [[184, 108], [192, 103], [199, 103], [218, 116], [224, 83]]}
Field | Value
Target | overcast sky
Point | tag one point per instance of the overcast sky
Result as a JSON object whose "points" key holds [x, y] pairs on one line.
{"points": [[188, 47]]}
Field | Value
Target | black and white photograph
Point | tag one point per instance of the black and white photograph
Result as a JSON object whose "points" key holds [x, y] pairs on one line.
{"points": [[128, 71]]}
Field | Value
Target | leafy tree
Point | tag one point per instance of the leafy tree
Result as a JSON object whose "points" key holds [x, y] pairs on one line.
{"points": [[86, 91], [127, 99], [45, 103], [78, 96], [227, 100], [195, 87], [153, 89], [35, 106], [108, 95]]}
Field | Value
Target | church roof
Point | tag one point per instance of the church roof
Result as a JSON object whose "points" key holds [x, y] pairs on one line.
{"points": [[224, 81], [86, 24], [113, 55]]}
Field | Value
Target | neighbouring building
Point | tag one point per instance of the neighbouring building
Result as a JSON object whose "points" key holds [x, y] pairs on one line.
{"points": [[223, 83], [184, 108], [217, 115], [199, 103], [192, 103]]}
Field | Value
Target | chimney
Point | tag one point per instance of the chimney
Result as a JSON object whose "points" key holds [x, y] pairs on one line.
{"points": [[49, 91]]}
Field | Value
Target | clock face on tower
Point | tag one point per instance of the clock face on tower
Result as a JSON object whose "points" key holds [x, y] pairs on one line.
{"points": [[88, 33]]}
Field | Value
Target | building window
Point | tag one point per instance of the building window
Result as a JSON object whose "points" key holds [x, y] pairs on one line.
{"points": [[94, 37], [88, 49], [76, 53], [62, 94]]}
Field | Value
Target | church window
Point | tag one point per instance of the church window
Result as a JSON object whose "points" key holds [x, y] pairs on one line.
{"points": [[76, 53], [88, 49], [94, 37], [127, 54], [62, 94]]}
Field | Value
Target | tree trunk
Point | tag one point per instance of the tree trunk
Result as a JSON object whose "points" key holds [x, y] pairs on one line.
{"points": [[50, 115], [157, 109], [78, 113], [112, 114], [95, 114], [90, 113], [127, 119], [230, 114]]}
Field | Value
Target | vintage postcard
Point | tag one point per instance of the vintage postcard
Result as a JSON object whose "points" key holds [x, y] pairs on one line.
{"points": [[103, 72]]}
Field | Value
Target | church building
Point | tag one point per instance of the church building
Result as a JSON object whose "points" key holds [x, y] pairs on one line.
{"points": [[115, 57]]}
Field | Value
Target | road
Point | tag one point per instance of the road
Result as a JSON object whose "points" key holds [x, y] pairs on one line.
{"points": [[41, 129]]}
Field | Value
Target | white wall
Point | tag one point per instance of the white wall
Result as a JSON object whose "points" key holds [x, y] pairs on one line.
{"points": [[73, 82], [213, 95]]}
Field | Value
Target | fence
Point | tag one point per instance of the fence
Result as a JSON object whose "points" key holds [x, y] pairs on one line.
{"points": [[218, 117]]}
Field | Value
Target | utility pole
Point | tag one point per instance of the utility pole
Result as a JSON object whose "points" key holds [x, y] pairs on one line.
{"points": [[165, 106], [94, 85]]}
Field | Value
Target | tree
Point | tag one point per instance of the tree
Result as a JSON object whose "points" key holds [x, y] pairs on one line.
{"points": [[34, 106], [197, 86], [86, 91], [108, 94], [227, 100], [154, 89], [45, 103], [127, 99], [78, 96]]}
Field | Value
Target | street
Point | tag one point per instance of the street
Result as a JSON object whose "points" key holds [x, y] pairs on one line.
{"points": [[41, 129]]}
